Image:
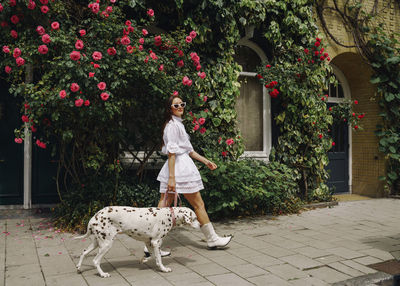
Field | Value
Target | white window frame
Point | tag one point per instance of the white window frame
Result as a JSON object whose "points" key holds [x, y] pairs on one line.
{"points": [[347, 95], [266, 124]]}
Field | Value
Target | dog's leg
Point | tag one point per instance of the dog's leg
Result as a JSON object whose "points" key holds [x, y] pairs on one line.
{"points": [[85, 252], [156, 244], [105, 246], [150, 249]]}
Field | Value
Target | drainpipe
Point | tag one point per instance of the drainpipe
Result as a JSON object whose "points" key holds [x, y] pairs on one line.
{"points": [[28, 151]]}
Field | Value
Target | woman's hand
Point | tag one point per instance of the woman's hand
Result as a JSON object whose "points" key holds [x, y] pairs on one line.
{"points": [[171, 184], [211, 165]]}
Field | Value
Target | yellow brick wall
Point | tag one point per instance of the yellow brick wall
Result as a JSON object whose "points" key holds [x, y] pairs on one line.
{"points": [[367, 162]]}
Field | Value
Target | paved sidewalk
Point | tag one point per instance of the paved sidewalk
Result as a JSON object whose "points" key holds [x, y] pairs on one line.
{"points": [[317, 247]]}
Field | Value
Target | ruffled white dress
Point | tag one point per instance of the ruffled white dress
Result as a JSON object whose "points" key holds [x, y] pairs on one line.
{"points": [[177, 141]]}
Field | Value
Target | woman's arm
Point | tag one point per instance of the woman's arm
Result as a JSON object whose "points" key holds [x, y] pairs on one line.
{"points": [[205, 161], [171, 167]]}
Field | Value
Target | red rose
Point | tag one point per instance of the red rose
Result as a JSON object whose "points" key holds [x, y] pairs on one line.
{"points": [[196, 127], [306, 51], [355, 127], [43, 49], [201, 74], [97, 56], [95, 7], [33, 128], [202, 120], [75, 55], [62, 94], [104, 96], [14, 19], [129, 49], [188, 39], [102, 85], [1, 7], [82, 32], [145, 32], [317, 44], [150, 12], [125, 40], [6, 49], [44, 9], [18, 140], [74, 87], [96, 66], [14, 34], [7, 69], [87, 102], [16, 53], [55, 25], [128, 23], [44, 2], [333, 143], [78, 102], [40, 30], [180, 63], [111, 51], [161, 68], [79, 45], [320, 136], [20, 61], [224, 153], [203, 130], [31, 5], [193, 34], [91, 74], [109, 9], [268, 66], [175, 93], [141, 41], [46, 39], [25, 118], [355, 101], [229, 141]]}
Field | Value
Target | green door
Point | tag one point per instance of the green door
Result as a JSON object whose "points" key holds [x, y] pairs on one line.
{"points": [[11, 153]]}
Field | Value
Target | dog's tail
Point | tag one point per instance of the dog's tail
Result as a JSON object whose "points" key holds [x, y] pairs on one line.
{"points": [[88, 232]]}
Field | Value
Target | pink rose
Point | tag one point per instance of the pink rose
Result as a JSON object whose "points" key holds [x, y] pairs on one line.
{"points": [[74, 87], [79, 45], [146, 60], [153, 56], [202, 120], [203, 130], [128, 23], [4, 24], [141, 41], [144, 32], [201, 74], [104, 96], [229, 141], [131, 29], [175, 93], [18, 140], [140, 48], [205, 98], [12, 3], [193, 34], [161, 68], [55, 25], [78, 102], [31, 5], [102, 85], [180, 63], [95, 8], [109, 9], [1, 7], [40, 30], [14, 34], [113, 1], [96, 66], [198, 67], [150, 12], [6, 49], [195, 57], [97, 56], [82, 32], [157, 39], [125, 40], [91, 74], [87, 102], [196, 127], [63, 94], [16, 53], [111, 51], [20, 61], [75, 55], [46, 39], [44, 2], [25, 118], [44, 9], [129, 49], [14, 19], [43, 49], [7, 69], [188, 39]]}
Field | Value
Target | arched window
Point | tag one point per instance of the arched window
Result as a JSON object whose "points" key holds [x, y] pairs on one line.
{"points": [[253, 104]]}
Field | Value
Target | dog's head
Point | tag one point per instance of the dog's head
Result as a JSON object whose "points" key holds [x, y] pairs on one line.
{"points": [[189, 218]]}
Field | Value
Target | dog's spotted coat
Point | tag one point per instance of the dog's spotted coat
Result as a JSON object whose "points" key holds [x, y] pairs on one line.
{"points": [[149, 225]]}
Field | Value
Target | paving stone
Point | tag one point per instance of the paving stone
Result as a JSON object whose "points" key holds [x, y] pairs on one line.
{"points": [[33, 279], [268, 280], [345, 253], [182, 279], [300, 261], [358, 266], [367, 260], [247, 270], [287, 272], [228, 280], [345, 269], [312, 252], [264, 261], [209, 269], [380, 254], [328, 275], [309, 281], [276, 251], [228, 260], [65, 280]]}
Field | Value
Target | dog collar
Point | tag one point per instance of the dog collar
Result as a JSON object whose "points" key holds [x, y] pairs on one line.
{"points": [[173, 217]]}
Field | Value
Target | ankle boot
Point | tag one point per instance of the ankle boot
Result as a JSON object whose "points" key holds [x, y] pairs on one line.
{"points": [[163, 253], [213, 240]]}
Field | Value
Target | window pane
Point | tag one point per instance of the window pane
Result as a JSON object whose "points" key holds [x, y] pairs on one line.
{"points": [[247, 58], [340, 91], [332, 90], [249, 107]]}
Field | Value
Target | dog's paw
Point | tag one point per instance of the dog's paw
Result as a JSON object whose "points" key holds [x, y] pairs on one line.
{"points": [[105, 275], [78, 269], [166, 269], [144, 259]]}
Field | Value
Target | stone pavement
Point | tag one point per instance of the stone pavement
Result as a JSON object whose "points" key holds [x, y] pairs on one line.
{"points": [[316, 247]]}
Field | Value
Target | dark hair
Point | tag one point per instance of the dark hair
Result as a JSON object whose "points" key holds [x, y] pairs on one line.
{"points": [[167, 114]]}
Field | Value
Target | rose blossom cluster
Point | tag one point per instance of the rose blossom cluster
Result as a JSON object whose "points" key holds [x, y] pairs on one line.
{"points": [[274, 92]]}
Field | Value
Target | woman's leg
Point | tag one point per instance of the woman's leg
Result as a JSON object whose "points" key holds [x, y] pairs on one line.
{"points": [[197, 203]]}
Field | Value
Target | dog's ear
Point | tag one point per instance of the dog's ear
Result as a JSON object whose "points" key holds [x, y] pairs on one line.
{"points": [[187, 218]]}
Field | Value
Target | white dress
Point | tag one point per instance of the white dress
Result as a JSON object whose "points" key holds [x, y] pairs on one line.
{"points": [[176, 141]]}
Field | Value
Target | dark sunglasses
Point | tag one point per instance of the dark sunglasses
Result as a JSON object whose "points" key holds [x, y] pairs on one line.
{"points": [[176, 106]]}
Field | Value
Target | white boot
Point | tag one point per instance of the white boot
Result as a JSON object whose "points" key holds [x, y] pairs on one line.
{"points": [[213, 240], [163, 253]]}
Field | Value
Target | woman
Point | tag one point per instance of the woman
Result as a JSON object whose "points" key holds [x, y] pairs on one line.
{"points": [[180, 174]]}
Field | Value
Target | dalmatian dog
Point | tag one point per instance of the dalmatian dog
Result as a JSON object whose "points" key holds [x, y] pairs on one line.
{"points": [[149, 225]]}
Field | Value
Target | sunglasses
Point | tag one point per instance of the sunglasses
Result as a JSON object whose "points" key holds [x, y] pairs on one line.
{"points": [[176, 106]]}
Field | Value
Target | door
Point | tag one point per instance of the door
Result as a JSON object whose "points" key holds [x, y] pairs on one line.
{"points": [[11, 153], [338, 166]]}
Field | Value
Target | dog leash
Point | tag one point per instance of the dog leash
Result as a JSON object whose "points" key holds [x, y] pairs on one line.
{"points": [[176, 196]]}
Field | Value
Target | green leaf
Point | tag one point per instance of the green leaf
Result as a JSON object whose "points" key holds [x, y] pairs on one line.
{"points": [[389, 96], [392, 175], [393, 60], [216, 121]]}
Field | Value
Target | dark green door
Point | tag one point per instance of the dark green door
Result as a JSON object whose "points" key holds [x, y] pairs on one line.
{"points": [[338, 166], [11, 153]]}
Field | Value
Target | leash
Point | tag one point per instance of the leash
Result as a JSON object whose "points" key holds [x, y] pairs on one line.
{"points": [[176, 197]]}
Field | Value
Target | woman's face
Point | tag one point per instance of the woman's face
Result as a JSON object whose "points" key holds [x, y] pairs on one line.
{"points": [[177, 111]]}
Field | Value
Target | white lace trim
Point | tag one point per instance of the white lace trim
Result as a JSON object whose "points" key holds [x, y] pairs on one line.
{"points": [[184, 187]]}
